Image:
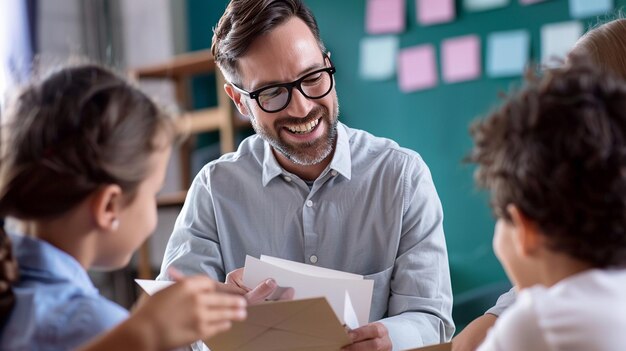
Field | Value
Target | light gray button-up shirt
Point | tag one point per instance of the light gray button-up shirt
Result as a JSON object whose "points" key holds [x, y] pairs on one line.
{"points": [[374, 211]]}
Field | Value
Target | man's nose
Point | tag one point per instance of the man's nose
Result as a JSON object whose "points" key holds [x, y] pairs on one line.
{"points": [[300, 105]]}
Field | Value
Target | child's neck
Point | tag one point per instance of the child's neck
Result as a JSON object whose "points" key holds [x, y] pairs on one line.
{"points": [[72, 233], [558, 266]]}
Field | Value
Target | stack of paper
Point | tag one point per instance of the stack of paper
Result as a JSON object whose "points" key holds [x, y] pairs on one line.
{"points": [[348, 294]]}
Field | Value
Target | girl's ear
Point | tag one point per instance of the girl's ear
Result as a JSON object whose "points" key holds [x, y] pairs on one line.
{"points": [[237, 99], [106, 205], [527, 239]]}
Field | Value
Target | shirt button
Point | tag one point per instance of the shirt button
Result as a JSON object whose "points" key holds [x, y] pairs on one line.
{"points": [[287, 179], [313, 259], [309, 203], [333, 173]]}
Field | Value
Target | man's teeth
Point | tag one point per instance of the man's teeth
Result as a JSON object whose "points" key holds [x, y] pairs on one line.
{"points": [[304, 128]]}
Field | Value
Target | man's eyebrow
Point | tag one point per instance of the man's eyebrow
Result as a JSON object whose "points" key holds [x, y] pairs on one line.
{"points": [[309, 69]]}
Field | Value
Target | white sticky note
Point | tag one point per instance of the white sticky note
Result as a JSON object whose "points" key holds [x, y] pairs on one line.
{"points": [[507, 53], [483, 5], [557, 39], [378, 57]]}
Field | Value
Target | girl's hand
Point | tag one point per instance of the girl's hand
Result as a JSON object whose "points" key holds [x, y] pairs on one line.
{"points": [[194, 308]]}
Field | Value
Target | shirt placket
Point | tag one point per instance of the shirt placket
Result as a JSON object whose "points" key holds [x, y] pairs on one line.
{"points": [[310, 217]]}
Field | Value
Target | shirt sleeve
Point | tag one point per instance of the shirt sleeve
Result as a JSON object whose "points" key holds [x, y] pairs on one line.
{"points": [[194, 246], [78, 322], [504, 301], [420, 303]]}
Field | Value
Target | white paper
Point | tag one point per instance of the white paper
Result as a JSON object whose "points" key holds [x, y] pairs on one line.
{"points": [[151, 287], [323, 282], [308, 269], [349, 315]]}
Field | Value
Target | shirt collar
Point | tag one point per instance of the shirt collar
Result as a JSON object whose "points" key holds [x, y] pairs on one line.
{"points": [[39, 258], [341, 162]]}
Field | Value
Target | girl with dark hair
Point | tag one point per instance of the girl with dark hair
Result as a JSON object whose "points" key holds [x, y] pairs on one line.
{"points": [[83, 155]]}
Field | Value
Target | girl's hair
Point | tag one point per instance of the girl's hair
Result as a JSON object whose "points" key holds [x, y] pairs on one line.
{"points": [[64, 137], [8, 274], [606, 46]]}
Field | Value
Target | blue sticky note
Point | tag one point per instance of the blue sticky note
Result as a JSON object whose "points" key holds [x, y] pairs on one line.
{"points": [[589, 8], [483, 5], [378, 57], [507, 53]]}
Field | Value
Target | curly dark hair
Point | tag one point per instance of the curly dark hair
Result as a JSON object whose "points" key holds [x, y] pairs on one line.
{"points": [[557, 150]]}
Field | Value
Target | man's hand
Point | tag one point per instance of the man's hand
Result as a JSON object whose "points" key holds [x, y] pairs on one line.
{"points": [[261, 292], [373, 336]]}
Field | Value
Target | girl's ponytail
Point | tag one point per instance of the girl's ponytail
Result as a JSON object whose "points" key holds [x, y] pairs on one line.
{"points": [[8, 274]]}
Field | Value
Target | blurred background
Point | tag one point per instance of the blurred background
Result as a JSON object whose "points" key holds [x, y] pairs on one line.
{"points": [[415, 71]]}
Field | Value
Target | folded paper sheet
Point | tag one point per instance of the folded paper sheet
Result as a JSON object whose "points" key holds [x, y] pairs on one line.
{"points": [[311, 281], [152, 286]]}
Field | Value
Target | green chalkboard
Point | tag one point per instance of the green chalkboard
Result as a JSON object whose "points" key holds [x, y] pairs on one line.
{"points": [[433, 122]]}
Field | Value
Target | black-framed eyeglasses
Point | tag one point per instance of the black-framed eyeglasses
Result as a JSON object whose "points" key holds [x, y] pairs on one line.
{"points": [[276, 97]]}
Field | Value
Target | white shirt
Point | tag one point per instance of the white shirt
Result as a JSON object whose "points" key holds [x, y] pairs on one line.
{"points": [[585, 312]]}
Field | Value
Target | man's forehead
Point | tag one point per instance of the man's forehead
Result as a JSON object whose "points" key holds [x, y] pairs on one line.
{"points": [[287, 52]]}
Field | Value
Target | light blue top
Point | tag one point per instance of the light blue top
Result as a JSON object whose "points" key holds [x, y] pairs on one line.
{"points": [[57, 306], [374, 211]]}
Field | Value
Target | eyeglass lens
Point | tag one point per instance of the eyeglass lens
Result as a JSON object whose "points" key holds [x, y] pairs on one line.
{"points": [[314, 86]]}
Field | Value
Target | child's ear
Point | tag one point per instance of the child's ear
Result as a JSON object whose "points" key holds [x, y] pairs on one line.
{"points": [[527, 238], [236, 97], [106, 207]]}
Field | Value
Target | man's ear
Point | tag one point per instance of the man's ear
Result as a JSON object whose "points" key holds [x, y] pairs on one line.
{"points": [[106, 206], [528, 238], [236, 97]]}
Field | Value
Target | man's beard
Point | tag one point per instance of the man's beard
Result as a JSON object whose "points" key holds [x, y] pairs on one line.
{"points": [[307, 153]]}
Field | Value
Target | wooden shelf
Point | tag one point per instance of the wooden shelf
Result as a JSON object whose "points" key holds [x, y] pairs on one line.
{"points": [[184, 65], [204, 120]]}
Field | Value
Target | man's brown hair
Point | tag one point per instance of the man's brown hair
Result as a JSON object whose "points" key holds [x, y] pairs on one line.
{"points": [[557, 151], [246, 20]]}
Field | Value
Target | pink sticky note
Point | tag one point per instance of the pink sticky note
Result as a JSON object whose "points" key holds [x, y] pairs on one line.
{"points": [[528, 2], [461, 58], [417, 69], [435, 11], [385, 16]]}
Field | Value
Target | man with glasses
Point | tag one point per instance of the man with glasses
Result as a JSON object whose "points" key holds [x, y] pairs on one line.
{"points": [[307, 188]]}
